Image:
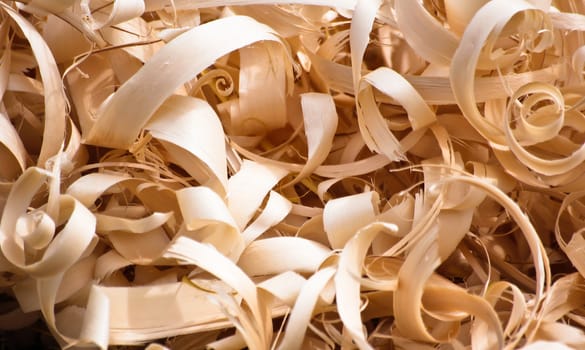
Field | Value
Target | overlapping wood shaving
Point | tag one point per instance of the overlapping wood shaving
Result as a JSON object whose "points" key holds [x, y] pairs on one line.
{"points": [[307, 174]]}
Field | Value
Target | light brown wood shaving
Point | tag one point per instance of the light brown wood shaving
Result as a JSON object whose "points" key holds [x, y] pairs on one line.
{"points": [[301, 174]]}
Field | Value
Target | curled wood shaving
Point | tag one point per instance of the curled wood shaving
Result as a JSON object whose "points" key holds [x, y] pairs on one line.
{"points": [[297, 174]]}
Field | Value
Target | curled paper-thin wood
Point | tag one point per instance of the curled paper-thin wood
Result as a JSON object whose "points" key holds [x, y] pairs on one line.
{"points": [[302, 174]]}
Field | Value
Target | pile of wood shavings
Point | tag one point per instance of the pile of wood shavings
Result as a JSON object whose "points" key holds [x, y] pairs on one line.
{"points": [[225, 174]]}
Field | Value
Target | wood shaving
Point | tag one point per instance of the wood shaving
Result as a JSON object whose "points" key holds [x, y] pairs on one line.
{"points": [[300, 174]]}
